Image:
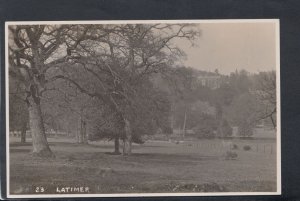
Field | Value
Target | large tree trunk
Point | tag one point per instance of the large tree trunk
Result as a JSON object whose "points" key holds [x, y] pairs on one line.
{"points": [[82, 138], [23, 132], [127, 139], [84, 133], [39, 140], [117, 145]]}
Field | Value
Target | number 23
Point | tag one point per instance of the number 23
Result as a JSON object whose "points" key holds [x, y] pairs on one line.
{"points": [[39, 189]]}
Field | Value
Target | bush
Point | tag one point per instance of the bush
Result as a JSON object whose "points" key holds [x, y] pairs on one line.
{"points": [[230, 155], [247, 148], [138, 139], [206, 127]]}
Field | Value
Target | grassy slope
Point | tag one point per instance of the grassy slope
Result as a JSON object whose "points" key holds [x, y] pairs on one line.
{"points": [[154, 167]]}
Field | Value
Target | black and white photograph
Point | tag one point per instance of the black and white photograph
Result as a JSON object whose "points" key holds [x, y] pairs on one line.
{"points": [[142, 108]]}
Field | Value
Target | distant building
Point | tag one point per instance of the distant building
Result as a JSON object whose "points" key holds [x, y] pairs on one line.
{"points": [[212, 82], [209, 79]]}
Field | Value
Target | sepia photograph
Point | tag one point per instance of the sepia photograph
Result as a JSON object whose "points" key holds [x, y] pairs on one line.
{"points": [[142, 108]]}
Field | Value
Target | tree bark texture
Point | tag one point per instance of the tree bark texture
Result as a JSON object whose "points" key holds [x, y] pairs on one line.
{"points": [[23, 132], [39, 140], [117, 145], [128, 138], [82, 137]]}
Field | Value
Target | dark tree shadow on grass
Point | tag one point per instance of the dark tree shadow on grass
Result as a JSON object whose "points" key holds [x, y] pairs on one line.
{"points": [[19, 150], [19, 144], [172, 156], [157, 157]]}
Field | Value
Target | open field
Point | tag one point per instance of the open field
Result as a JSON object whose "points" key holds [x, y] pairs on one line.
{"points": [[154, 167]]}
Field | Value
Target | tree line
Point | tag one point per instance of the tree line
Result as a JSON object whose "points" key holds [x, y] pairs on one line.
{"points": [[240, 99]]}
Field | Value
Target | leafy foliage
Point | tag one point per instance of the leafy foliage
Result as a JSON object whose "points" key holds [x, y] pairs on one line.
{"points": [[18, 113], [206, 127]]}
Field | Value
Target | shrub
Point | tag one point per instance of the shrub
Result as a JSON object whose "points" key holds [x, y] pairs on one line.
{"points": [[247, 148], [138, 139], [230, 155], [206, 127]]}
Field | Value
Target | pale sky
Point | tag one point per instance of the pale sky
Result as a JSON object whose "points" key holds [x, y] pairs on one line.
{"points": [[230, 46]]}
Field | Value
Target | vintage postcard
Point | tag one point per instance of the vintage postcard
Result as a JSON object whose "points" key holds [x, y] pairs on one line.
{"points": [[143, 108]]}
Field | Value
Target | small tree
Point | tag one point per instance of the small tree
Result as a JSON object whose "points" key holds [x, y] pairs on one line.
{"points": [[243, 113], [265, 91], [221, 98], [125, 59]]}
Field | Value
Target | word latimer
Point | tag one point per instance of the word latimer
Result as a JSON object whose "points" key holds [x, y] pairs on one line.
{"points": [[72, 189]]}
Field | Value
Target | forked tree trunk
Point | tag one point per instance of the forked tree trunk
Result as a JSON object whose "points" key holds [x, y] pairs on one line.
{"points": [[128, 138], [39, 140], [23, 132]]}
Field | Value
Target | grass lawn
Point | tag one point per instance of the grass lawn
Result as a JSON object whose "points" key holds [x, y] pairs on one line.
{"points": [[154, 167]]}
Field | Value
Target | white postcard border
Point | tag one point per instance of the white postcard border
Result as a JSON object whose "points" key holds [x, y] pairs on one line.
{"points": [[278, 134]]}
